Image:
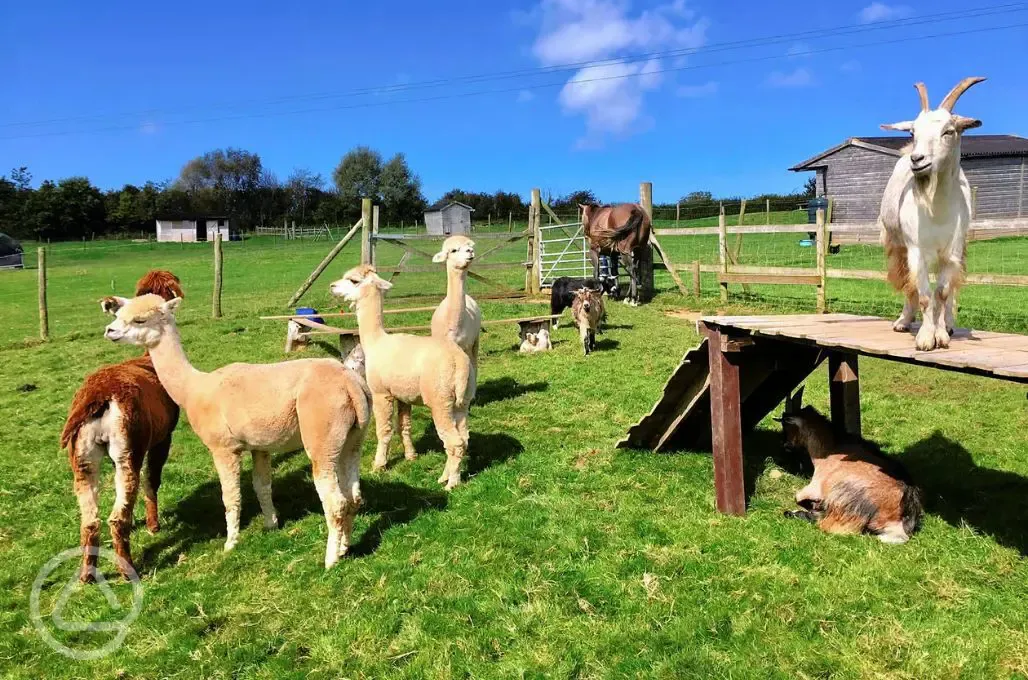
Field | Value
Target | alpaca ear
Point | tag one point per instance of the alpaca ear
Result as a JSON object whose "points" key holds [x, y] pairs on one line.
{"points": [[170, 306], [381, 283], [111, 304], [439, 257]]}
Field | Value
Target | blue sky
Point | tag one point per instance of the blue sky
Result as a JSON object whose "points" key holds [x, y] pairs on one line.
{"points": [[699, 122]]}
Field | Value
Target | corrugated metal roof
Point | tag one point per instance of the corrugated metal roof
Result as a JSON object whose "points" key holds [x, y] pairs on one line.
{"points": [[970, 146]]}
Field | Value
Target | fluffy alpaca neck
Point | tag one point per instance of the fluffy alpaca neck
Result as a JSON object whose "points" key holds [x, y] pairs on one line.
{"points": [[173, 368], [455, 296], [369, 317], [934, 192]]}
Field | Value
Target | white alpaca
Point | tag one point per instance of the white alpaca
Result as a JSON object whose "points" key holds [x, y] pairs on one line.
{"points": [[316, 404], [411, 370], [925, 215]]}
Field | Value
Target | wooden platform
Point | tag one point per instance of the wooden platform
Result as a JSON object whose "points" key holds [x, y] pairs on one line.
{"points": [[747, 365]]}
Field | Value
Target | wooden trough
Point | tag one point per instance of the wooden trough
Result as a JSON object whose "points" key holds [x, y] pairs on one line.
{"points": [[747, 365]]}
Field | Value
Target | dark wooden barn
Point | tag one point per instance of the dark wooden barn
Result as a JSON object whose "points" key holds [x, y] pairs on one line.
{"points": [[854, 174]]}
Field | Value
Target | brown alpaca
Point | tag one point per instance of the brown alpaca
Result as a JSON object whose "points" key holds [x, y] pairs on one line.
{"points": [[121, 410], [316, 404], [587, 310], [855, 488]]}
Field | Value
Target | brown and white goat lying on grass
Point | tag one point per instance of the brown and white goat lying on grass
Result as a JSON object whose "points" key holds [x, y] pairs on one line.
{"points": [[121, 410], [855, 488], [536, 342], [587, 311]]}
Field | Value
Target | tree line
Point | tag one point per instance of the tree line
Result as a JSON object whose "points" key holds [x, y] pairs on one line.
{"points": [[234, 183]]}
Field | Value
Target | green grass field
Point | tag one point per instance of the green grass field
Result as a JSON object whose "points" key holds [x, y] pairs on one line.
{"points": [[560, 556]]}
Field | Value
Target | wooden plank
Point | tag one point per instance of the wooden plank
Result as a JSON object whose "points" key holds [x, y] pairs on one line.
{"points": [[424, 269], [776, 279], [440, 237], [323, 264], [844, 392], [726, 428], [669, 264]]}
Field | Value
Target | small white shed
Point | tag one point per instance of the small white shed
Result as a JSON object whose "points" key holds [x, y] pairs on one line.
{"points": [[193, 228], [444, 218]]}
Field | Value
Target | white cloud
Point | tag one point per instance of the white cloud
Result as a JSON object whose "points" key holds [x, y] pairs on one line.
{"points": [[708, 89], [851, 66], [148, 128], [801, 77], [610, 95], [798, 50], [525, 96], [879, 11]]}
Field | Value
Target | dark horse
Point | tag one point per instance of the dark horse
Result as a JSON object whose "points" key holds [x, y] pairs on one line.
{"points": [[621, 231]]}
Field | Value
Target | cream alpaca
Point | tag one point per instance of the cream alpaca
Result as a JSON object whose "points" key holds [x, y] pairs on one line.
{"points": [[316, 404], [410, 370]]}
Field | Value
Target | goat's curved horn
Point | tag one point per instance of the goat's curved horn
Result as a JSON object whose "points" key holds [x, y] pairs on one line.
{"points": [[922, 92], [959, 89]]}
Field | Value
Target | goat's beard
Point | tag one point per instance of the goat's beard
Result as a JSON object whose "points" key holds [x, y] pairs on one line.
{"points": [[925, 188]]}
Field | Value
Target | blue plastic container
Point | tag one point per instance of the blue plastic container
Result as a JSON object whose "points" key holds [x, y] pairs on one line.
{"points": [[309, 310], [806, 243]]}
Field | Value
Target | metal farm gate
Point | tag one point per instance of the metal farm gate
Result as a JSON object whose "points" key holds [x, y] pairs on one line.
{"points": [[562, 252]]}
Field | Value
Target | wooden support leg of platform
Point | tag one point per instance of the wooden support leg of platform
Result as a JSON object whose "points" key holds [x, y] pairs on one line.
{"points": [[726, 425], [844, 388]]}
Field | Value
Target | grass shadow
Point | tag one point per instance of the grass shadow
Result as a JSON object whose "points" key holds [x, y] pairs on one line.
{"points": [[502, 389], [994, 502], [607, 344], [200, 516], [484, 450], [761, 447]]}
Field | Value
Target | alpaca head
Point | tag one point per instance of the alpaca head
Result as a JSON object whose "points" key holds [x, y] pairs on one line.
{"points": [[142, 320], [936, 132], [457, 252], [156, 281], [357, 282]]}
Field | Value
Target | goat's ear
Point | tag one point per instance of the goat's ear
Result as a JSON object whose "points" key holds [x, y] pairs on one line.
{"points": [[170, 306], [797, 400], [903, 126], [439, 257], [111, 304], [964, 123]]}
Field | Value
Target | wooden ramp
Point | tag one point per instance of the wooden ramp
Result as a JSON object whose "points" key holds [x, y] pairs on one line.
{"points": [[681, 417]]}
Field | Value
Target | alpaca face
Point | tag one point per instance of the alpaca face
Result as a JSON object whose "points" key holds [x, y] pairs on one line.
{"points": [[355, 280], [459, 251], [142, 320]]}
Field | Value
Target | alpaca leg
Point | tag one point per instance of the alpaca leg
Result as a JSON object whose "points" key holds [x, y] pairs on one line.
{"points": [[382, 405], [156, 457], [126, 487], [332, 501], [227, 463], [348, 471], [449, 431], [85, 465], [403, 414], [950, 313], [262, 487]]}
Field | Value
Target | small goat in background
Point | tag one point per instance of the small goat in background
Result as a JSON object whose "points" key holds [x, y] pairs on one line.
{"points": [[587, 311], [536, 342], [925, 215], [855, 488]]}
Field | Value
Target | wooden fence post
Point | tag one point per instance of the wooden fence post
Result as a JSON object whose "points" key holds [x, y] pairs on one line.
{"points": [[696, 279], [510, 221], [324, 263], [645, 272], [44, 316], [366, 226], [216, 303], [722, 251], [822, 248], [767, 211], [374, 234], [534, 223], [678, 213]]}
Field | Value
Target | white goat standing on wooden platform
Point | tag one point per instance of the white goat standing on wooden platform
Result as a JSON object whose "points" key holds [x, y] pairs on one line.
{"points": [[925, 215]]}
